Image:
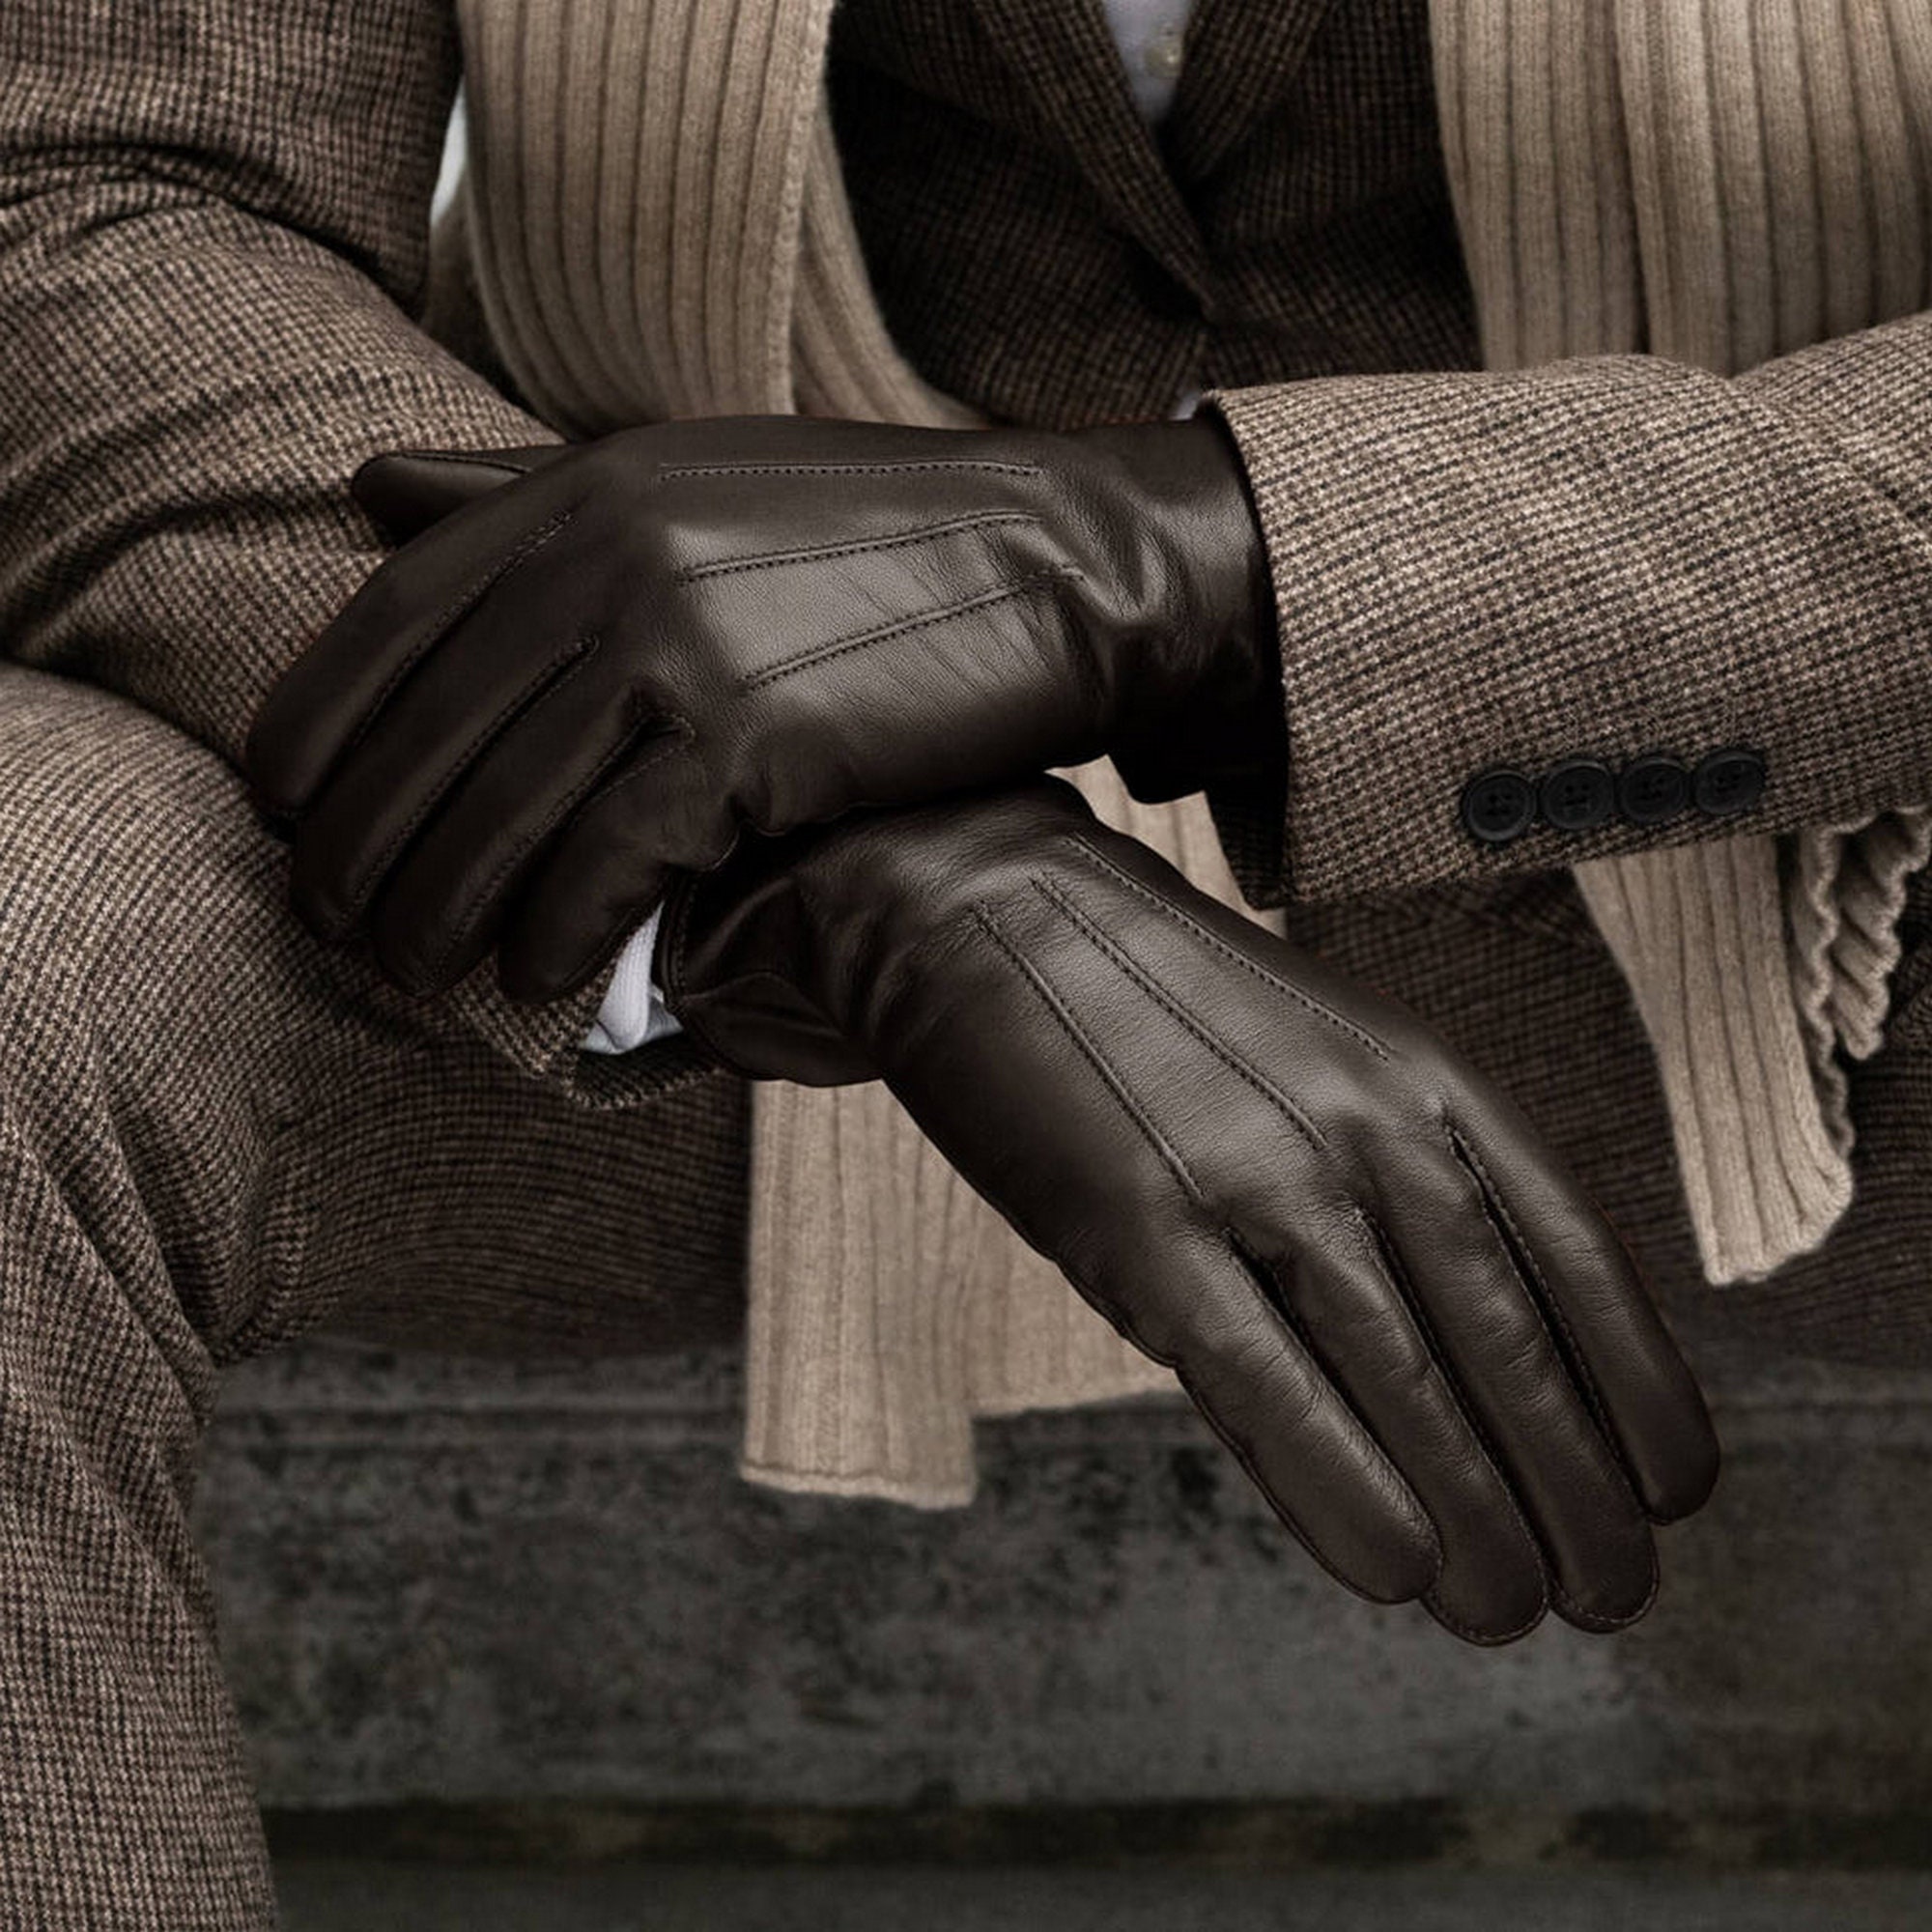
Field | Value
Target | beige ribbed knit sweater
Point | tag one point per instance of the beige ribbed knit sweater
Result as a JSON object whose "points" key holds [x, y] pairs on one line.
{"points": [[661, 230]]}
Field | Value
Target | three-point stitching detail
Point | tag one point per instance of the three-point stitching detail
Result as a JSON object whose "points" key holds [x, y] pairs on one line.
{"points": [[825, 553], [1089, 1051], [1321, 1008], [1242, 1450], [838, 648], [960, 463], [1242, 1068]]}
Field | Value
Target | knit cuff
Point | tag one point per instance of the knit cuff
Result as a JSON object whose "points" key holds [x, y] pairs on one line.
{"points": [[1845, 892], [1700, 934]]}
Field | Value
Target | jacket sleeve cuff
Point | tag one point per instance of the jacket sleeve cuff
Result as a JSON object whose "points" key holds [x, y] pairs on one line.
{"points": [[1602, 561], [548, 1042]]}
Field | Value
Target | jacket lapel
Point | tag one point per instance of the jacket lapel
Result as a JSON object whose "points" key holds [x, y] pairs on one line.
{"points": [[1066, 73], [1242, 58]]}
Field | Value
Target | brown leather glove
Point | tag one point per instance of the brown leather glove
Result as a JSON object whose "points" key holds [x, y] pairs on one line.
{"points": [[614, 657], [1419, 1336]]}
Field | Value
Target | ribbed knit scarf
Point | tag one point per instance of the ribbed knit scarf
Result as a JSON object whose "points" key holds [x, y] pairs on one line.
{"points": [[658, 229]]}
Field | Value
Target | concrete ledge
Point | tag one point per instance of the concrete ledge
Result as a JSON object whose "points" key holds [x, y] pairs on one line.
{"points": [[477, 1581], [324, 1897], [1282, 1835]]}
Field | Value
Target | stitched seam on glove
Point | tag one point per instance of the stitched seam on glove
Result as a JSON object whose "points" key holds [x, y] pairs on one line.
{"points": [[1595, 1620], [568, 663], [1090, 1052], [692, 573], [1230, 953], [1399, 1286], [1527, 1269], [632, 910], [958, 462], [859, 640], [678, 746], [1574, 1360], [559, 810], [1236, 1064]]}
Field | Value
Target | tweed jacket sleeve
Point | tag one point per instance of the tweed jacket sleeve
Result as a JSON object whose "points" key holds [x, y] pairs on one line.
{"points": [[213, 241], [1593, 559]]}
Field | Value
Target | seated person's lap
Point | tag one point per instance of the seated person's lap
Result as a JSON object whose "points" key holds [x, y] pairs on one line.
{"points": [[307, 1144]]}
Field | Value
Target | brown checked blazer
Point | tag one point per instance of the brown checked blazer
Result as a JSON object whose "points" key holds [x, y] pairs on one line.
{"points": [[215, 278]]}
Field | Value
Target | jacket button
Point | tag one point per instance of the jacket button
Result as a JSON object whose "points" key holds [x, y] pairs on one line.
{"points": [[1577, 795], [1729, 781], [1652, 788], [1497, 804]]}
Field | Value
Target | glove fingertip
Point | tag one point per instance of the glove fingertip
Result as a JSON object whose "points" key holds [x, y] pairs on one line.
{"points": [[1683, 1488], [1607, 1617], [1406, 1576], [1398, 1564], [1489, 1633]]}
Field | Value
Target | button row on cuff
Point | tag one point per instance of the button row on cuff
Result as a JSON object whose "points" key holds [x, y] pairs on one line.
{"points": [[1580, 794]]}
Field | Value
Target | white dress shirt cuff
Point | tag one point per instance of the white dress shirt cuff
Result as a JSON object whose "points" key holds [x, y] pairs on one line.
{"points": [[633, 1013]]}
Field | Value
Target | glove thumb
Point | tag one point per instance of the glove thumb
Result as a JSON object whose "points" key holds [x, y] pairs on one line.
{"points": [[405, 491]]}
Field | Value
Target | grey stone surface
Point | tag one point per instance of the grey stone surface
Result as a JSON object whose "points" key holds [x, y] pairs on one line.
{"points": [[372, 1898], [471, 1580]]}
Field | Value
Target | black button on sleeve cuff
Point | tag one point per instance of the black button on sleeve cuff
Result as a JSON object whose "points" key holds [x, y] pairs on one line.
{"points": [[1728, 782], [1498, 805], [1652, 789], [1578, 795]]}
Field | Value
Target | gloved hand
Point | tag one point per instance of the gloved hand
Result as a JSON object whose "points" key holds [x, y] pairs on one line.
{"points": [[1415, 1331], [634, 650]]}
